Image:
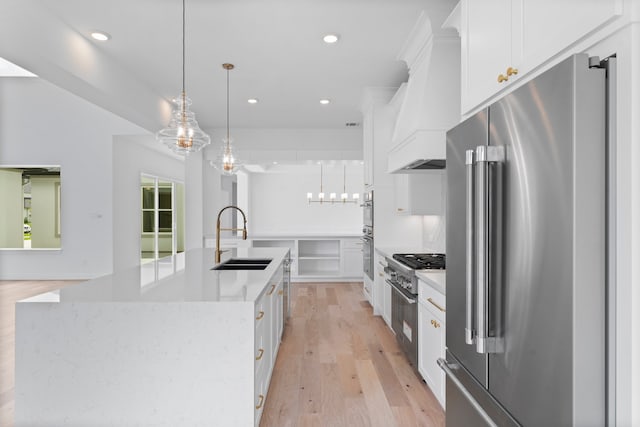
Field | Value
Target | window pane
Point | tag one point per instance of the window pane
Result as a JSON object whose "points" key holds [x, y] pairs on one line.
{"points": [[148, 199], [147, 222], [164, 197], [165, 221]]}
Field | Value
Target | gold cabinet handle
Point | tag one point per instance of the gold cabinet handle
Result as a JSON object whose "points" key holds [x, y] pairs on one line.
{"points": [[272, 288], [502, 78], [280, 292], [260, 315], [400, 209], [261, 401], [381, 274], [511, 71], [435, 323], [260, 353], [437, 306]]}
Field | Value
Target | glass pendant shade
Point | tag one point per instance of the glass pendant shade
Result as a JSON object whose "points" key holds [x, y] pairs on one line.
{"points": [[183, 135], [226, 161]]}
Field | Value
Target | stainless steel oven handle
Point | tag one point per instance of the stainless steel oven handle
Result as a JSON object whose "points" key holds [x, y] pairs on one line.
{"points": [[452, 376], [469, 333], [410, 301]]}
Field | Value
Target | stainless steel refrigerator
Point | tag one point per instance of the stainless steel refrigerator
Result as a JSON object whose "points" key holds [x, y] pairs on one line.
{"points": [[526, 256]]}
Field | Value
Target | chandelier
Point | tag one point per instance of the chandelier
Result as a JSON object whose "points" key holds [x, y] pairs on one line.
{"points": [[226, 161], [183, 135], [344, 197]]}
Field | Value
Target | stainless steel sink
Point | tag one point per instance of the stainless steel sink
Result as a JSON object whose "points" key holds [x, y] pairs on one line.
{"points": [[244, 264]]}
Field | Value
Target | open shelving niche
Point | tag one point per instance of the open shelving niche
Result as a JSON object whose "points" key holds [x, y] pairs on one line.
{"points": [[319, 258], [311, 258]]}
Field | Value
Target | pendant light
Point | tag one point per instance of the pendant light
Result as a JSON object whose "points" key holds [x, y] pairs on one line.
{"points": [[183, 135], [226, 161], [344, 197]]}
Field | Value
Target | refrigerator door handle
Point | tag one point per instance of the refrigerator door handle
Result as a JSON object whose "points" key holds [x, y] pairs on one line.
{"points": [[484, 155], [476, 405], [469, 333]]}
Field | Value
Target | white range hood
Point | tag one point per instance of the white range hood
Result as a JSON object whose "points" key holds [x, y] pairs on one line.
{"points": [[430, 100]]}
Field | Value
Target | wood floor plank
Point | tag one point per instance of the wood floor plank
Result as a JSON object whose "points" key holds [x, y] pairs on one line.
{"points": [[356, 412], [332, 396], [348, 375], [379, 409], [392, 387]]}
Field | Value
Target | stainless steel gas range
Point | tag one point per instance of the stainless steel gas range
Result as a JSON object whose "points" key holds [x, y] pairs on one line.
{"points": [[400, 273]]}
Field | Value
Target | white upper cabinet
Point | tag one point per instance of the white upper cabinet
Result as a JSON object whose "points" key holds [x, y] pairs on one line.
{"points": [[550, 26], [503, 40], [420, 193], [367, 149], [489, 43]]}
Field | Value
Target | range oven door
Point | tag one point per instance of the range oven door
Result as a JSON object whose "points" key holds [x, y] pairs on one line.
{"points": [[404, 322]]}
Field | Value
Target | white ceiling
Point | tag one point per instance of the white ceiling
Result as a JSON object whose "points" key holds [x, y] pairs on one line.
{"points": [[276, 46]]}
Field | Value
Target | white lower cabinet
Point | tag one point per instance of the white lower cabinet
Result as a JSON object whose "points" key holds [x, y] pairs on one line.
{"points": [[352, 258], [367, 289], [268, 333], [432, 338], [382, 290]]}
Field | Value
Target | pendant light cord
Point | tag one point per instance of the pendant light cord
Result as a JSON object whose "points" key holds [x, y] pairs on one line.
{"points": [[228, 142], [183, 45], [344, 178]]}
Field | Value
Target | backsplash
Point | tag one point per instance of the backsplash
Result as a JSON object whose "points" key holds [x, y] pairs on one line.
{"points": [[434, 232]]}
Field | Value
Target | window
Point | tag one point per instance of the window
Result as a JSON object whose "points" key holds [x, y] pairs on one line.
{"points": [[162, 205]]}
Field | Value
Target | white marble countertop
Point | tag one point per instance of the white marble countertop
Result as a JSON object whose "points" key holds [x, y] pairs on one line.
{"points": [[186, 277], [437, 279]]}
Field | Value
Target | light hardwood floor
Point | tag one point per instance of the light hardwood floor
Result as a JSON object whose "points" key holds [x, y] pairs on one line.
{"points": [[10, 292], [338, 365]]}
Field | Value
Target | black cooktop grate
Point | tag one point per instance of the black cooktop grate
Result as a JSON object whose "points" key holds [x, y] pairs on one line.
{"points": [[422, 261]]}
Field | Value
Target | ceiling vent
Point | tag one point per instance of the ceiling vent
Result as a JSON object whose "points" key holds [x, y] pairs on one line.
{"points": [[352, 124]]}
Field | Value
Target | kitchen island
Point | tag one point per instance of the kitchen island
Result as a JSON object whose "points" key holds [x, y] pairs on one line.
{"points": [[168, 343]]}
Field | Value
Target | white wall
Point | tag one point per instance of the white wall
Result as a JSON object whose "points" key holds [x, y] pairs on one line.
{"points": [[625, 44], [42, 124], [131, 158], [278, 202]]}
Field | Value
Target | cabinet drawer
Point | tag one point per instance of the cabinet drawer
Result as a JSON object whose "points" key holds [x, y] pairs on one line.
{"points": [[432, 299]]}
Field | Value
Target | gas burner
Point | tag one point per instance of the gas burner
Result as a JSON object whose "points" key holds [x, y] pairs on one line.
{"points": [[422, 261]]}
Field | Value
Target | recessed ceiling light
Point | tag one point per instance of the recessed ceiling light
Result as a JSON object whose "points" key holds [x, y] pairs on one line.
{"points": [[252, 100], [325, 101], [100, 36], [330, 38]]}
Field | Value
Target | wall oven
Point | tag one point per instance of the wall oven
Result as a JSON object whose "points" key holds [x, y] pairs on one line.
{"points": [[367, 235], [367, 210], [367, 251]]}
